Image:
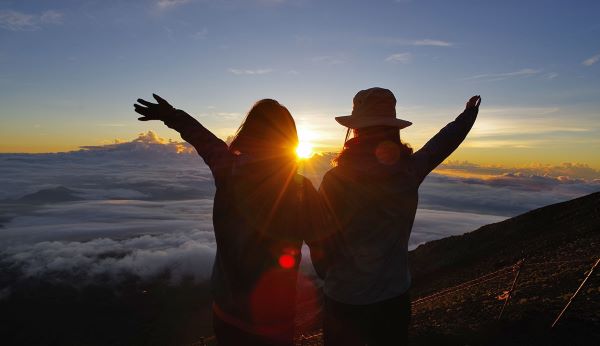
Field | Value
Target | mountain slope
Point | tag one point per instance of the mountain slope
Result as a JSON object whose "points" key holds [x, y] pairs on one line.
{"points": [[558, 243], [563, 230]]}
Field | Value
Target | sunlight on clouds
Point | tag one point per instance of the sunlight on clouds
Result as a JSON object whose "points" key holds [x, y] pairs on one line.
{"points": [[526, 127], [498, 127], [145, 141], [501, 144], [564, 171], [499, 121]]}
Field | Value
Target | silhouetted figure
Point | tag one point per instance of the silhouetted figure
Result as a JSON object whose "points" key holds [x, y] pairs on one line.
{"points": [[260, 219], [372, 195]]}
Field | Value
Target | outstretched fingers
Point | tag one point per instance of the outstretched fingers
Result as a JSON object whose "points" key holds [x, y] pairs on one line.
{"points": [[159, 99], [145, 103], [140, 109], [474, 101], [147, 113]]}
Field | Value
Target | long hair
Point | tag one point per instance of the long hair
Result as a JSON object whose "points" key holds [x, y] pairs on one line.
{"points": [[376, 143], [269, 131], [265, 188]]}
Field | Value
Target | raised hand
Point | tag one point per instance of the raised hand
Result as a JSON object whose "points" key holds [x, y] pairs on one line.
{"points": [[474, 102], [154, 111]]}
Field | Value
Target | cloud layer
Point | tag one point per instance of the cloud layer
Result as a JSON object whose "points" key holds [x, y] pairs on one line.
{"points": [[179, 255], [144, 207]]}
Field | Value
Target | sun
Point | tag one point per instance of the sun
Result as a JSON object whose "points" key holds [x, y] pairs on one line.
{"points": [[306, 138], [304, 150]]}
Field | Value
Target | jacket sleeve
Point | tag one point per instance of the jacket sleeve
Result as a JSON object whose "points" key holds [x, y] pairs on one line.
{"points": [[212, 149], [438, 148]]}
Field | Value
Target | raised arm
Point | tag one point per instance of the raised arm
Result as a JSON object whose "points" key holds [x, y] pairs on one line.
{"points": [[212, 149], [438, 148]]}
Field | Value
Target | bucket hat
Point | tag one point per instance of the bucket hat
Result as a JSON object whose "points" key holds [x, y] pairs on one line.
{"points": [[373, 107]]}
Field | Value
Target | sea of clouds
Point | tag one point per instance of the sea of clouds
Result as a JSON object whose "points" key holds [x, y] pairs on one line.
{"points": [[144, 207]]}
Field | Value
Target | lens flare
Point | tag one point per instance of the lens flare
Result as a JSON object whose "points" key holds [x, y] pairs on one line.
{"points": [[287, 261]]}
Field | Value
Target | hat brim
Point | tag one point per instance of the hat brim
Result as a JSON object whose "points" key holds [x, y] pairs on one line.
{"points": [[354, 122]]}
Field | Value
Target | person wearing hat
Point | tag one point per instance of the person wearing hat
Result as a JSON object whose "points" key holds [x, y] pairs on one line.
{"points": [[372, 197]]}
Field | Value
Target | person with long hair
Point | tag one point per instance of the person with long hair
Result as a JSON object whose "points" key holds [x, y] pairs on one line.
{"points": [[372, 197], [261, 214]]}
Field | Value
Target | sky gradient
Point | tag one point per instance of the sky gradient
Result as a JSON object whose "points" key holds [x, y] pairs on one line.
{"points": [[71, 70]]}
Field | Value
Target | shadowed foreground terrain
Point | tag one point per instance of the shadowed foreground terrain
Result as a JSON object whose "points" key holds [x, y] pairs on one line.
{"points": [[44, 312], [558, 244]]}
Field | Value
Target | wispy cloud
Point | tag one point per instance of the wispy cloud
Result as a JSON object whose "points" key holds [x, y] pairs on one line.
{"points": [[519, 112], [164, 4], [434, 43], [328, 59], [112, 125], [200, 35], [250, 72], [529, 122], [52, 17], [550, 75], [591, 61], [412, 42], [19, 21], [526, 72], [399, 58], [271, 2], [527, 128]]}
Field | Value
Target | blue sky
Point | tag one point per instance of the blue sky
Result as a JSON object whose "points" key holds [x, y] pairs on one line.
{"points": [[70, 70]]}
